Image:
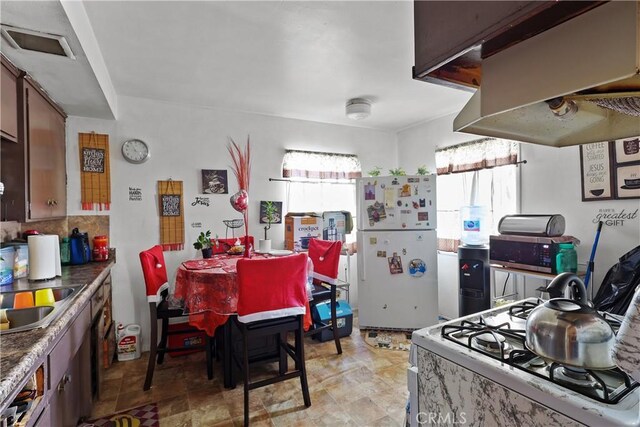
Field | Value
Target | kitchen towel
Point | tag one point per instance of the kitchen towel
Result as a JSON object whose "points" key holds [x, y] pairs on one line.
{"points": [[626, 351], [44, 257], [95, 175]]}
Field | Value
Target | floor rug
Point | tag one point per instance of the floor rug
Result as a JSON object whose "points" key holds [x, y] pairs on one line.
{"points": [[142, 416], [388, 340]]}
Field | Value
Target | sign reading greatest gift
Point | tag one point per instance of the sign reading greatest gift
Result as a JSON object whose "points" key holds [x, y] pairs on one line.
{"points": [[613, 218]]}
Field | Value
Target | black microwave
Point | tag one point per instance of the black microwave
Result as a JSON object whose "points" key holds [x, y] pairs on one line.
{"points": [[526, 252]]}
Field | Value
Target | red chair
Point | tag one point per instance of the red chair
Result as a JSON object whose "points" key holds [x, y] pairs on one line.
{"points": [[155, 280], [271, 302], [325, 255], [225, 244]]}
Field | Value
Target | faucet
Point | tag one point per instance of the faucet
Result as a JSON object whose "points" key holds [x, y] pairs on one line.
{"points": [[561, 281]]}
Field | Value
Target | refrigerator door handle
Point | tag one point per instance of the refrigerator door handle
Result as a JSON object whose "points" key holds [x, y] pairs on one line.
{"points": [[363, 260]]}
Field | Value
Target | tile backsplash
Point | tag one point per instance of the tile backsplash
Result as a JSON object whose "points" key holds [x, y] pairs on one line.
{"points": [[95, 225]]}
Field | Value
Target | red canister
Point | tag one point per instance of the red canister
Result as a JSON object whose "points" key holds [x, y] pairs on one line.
{"points": [[100, 248]]}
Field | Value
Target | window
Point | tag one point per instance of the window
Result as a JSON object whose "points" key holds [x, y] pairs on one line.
{"points": [[497, 186], [321, 182]]}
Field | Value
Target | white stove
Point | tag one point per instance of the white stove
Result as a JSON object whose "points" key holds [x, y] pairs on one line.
{"points": [[476, 370]]}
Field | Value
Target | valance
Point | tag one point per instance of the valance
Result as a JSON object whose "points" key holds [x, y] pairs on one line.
{"points": [[476, 155], [319, 165]]}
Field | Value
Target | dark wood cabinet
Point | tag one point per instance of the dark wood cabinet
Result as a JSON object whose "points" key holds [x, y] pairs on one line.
{"points": [[33, 168], [47, 156], [9, 96], [452, 37]]}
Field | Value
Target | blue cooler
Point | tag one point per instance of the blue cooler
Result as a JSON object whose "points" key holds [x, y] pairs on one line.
{"points": [[322, 313]]}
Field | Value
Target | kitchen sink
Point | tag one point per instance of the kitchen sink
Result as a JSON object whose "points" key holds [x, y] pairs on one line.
{"points": [[24, 319]]}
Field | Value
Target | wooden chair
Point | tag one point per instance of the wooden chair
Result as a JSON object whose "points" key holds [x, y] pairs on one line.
{"points": [[155, 279], [271, 301], [325, 255]]}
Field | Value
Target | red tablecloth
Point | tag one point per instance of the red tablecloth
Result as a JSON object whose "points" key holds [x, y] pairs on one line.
{"points": [[209, 289]]}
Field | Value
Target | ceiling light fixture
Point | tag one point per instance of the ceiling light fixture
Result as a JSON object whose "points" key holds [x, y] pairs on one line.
{"points": [[358, 108]]}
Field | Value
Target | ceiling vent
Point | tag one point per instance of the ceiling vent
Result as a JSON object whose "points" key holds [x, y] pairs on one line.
{"points": [[36, 41]]}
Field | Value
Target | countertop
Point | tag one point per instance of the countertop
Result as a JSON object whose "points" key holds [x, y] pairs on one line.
{"points": [[19, 352]]}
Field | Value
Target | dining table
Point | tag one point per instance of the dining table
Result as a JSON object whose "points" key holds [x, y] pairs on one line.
{"points": [[208, 290]]}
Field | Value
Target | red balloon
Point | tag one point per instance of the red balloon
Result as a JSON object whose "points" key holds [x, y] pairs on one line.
{"points": [[240, 201]]}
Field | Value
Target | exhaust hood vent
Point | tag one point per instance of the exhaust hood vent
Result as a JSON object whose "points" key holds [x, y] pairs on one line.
{"points": [[36, 41], [576, 83]]}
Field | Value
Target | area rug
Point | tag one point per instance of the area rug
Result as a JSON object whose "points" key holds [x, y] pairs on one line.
{"points": [[142, 416], [388, 340]]}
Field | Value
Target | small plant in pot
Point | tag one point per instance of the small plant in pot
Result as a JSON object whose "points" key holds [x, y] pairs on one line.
{"points": [[270, 210], [203, 243]]}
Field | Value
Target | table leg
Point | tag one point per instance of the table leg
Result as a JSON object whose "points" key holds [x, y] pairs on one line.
{"points": [[227, 362]]}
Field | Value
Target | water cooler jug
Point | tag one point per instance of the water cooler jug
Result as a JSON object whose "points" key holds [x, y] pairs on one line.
{"points": [[473, 257]]}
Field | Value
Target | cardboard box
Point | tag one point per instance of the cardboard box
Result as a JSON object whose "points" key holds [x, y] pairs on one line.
{"points": [[335, 226], [299, 228]]}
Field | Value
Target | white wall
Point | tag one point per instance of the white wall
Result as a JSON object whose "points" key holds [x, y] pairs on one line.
{"points": [[550, 183], [184, 140]]}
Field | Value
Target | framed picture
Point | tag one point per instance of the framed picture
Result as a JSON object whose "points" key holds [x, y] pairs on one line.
{"points": [[595, 171], [214, 181], [628, 181], [277, 216], [93, 160], [170, 204], [627, 150]]}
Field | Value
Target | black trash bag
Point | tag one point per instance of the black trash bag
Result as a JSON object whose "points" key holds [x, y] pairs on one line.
{"points": [[619, 284]]}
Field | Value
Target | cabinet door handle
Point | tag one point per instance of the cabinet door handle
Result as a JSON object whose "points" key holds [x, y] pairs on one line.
{"points": [[54, 202], [65, 380]]}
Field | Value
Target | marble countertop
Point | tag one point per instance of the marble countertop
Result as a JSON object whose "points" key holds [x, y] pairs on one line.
{"points": [[19, 352]]}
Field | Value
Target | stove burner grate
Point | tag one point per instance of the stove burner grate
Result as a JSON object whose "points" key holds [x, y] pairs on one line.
{"points": [[575, 377]]}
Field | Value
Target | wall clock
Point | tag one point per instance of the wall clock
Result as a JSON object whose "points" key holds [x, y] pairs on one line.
{"points": [[136, 151]]}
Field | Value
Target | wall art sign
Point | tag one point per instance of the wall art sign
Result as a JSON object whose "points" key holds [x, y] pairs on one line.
{"points": [[93, 160], [170, 204], [628, 150], [628, 182], [214, 181], [612, 218], [277, 216], [595, 168], [196, 225], [204, 201], [135, 194], [171, 211]]}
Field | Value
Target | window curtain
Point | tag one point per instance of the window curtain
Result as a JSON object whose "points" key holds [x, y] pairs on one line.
{"points": [[497, 187], [317, 165], [476, 155]]}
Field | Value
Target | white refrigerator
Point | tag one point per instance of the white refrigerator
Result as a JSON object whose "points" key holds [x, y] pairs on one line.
{"points": [[397, 262]]}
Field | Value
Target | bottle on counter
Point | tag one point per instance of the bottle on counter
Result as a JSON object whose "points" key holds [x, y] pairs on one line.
{"points": [[65, 251], [100, 248], [566, 259]]}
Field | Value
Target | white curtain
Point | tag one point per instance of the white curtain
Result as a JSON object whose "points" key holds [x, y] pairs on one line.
{"points": [[318, 165]]}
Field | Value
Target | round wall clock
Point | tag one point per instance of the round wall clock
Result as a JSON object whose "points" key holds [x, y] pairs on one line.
{"points": [[136, 151]]}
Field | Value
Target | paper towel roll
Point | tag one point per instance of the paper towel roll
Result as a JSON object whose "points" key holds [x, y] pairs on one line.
{"points": [[626, 351], [44, 257]]}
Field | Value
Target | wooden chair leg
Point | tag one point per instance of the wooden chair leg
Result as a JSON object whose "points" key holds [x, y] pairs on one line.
{"points": [[334, 319], [162, 347], [245, 368], [282, 362], [300, 357], [153, 346]]}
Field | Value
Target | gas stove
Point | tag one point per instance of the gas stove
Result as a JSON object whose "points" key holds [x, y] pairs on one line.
{"points": [[501, 335], [491, 344]]}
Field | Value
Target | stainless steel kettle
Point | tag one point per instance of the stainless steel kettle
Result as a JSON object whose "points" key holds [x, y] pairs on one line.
{"points": [[569, 331]]}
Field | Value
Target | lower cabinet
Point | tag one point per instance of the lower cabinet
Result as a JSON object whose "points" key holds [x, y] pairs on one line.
{"points": [[70, 398]]}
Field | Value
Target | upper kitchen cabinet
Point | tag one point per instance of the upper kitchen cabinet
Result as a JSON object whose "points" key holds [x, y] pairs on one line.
{"points": [[9, 95], [33, 169], [452, 37]]}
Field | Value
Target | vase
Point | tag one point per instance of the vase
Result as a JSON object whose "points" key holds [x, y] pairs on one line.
{"points": [[207, 252]]}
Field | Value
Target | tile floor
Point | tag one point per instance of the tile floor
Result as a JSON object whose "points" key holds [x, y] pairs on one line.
{"points": [[364, 386]]}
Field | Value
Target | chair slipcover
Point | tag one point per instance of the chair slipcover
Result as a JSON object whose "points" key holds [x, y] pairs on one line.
{"points": [[325, 255], [154, 271], [269, 288]]}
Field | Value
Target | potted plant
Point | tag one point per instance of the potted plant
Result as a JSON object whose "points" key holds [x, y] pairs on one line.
{"points": [[422, 170], [375, 171], [203, 243], [397, 172], [270, 210]]}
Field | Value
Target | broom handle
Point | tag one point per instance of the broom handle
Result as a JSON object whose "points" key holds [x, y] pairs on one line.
{"points": [[593, 255]]}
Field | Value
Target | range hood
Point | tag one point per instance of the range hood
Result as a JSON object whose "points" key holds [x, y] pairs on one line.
{"points": [[575, 83]]}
